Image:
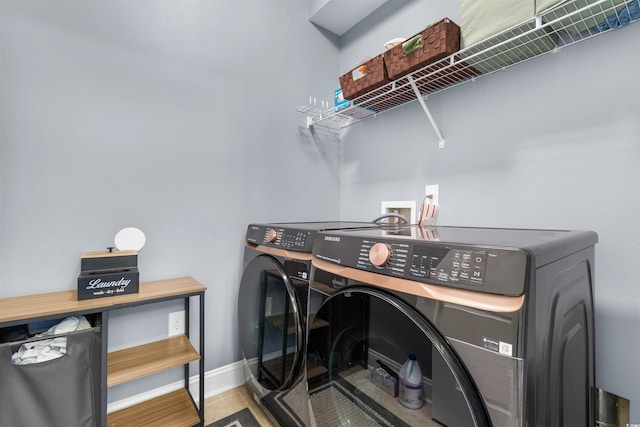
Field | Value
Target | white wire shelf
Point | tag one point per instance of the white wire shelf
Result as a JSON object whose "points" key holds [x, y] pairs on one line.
{"points": [[552, 30]]}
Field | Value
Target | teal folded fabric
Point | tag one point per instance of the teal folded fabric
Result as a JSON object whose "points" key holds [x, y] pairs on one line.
{"points": [[414, 43]]}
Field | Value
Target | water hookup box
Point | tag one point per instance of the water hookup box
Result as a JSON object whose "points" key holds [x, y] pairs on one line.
{"points": [[108, 274]]}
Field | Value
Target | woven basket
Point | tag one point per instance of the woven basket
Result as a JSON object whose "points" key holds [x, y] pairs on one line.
{"points": [[376, 76], [438, 40]]}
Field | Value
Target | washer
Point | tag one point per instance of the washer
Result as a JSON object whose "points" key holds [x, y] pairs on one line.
{"points": [[501, 322], [272, 307]]}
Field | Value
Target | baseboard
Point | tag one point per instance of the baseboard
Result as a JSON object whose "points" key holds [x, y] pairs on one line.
{"points": [[216, 381]]}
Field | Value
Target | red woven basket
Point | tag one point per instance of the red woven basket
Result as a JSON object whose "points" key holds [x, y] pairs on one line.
{"points": [[374, 77], [439, 40]]}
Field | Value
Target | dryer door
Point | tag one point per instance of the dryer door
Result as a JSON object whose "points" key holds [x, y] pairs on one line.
{"points": [[368, 337], [271, 331]]}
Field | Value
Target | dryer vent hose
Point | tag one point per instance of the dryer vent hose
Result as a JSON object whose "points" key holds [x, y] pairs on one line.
{"points": [[392, 215]]}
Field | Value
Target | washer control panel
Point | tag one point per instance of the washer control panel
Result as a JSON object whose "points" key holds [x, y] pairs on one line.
{"points": [[487, 269], [284, 238], [451, 265], [444, 264]]}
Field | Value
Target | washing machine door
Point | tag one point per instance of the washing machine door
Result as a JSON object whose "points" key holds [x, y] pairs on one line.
{"points": [[271, 327], [368, 336]]}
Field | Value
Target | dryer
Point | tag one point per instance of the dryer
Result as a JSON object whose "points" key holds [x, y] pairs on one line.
{"points": [[501, 321], [272, 307]]}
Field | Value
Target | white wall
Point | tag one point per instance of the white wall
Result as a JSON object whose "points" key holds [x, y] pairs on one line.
{"points": [[552, 143], [177, 117]]}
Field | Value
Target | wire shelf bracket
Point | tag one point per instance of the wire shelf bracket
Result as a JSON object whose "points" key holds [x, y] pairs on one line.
{"points": [[423, 104]]}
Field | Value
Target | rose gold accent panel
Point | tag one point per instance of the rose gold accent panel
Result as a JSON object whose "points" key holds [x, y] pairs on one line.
{"points": [[479, 300], [299, 256]]}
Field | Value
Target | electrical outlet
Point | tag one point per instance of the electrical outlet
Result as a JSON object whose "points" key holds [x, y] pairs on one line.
{"points": [[176, 323], [432, 190]]}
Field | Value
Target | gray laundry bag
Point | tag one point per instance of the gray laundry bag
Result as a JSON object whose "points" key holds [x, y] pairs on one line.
{"points": [[64, 392]]}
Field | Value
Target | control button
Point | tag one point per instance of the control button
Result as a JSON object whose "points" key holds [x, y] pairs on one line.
{"points": [[380, 254], [271, 236]]}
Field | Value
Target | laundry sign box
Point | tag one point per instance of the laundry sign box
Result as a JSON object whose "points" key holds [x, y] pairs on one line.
{"points": [[108, 274]]}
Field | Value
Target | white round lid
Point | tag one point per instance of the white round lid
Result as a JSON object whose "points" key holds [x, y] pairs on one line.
{"points": [[130, 238]]}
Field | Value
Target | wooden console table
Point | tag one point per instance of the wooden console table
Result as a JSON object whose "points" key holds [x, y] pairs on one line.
{"points": [[177, 408]]}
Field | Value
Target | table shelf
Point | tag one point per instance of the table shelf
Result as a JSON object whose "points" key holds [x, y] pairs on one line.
{"points": [[172, 409], [137, 362]]}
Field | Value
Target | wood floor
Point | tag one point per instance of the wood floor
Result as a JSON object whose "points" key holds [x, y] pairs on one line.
{"points": [[224, 404]]}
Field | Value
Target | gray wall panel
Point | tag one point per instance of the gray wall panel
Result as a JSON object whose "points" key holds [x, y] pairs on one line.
{"points": [[175, 117]]}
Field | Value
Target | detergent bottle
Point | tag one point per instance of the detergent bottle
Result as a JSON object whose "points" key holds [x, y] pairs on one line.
{"points": [[410, 389]]}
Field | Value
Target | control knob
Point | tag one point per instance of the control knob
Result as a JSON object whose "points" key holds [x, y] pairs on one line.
{"points": [[272, 235], [379, 254]]}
